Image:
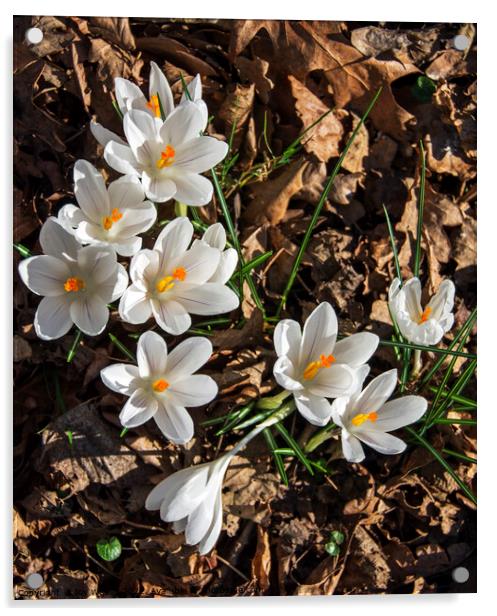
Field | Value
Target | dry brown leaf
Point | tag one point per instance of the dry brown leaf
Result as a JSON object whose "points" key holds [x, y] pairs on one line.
{"points": [[261, 562], [325, 138], [270, 199]]}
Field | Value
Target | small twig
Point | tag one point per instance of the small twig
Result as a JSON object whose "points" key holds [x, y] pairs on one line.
{"points": [[232, 567]]}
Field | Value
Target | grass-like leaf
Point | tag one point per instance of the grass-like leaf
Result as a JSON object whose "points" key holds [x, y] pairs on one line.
{"points": [[319, 207], [294, 446], [420, 347], [123, 348], [436, 454], [273, 446], [421, 206], [74, 347]]}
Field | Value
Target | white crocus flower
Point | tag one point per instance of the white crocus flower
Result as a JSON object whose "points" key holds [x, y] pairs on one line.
{"points": [[215, 236], [77, 283], [129, 96], [170, 282], [192, 497], [162, 385], [113, 216], [313, 366], [367, 417], [168, 156], [421, 326]]}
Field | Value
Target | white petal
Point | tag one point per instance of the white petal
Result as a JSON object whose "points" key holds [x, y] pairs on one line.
{"points": [[287, 339], [226, 267], [200, 154], [114, 285], [160, 87], [201, 518], [215, 236], [394, 289], [158, 188], [399, 413], [182, 125], [44, 274], [90, 191], [195, 390], [58, 242], [315, 409], [69, 216], [188, 356], [140, 407], [442, 302], [207, 299], [140, 131], [351, 447], [377, 392], [127, 247], [174, 422], [284, 373], [179, 494], [412, 297], [173, 240], [144, 268], [199, 263], [126, 93], [134, 306], [90, 233], [137, 219], [121, 158], [125, 192], [90, 314], [319, 334], [194, 89], [356, 350], [171, 316], [339, 408], [151, 354], [97, 263], [337, 380], [52, 319], [381, 441], [103, 135], [428, 333], [191, 188], [122, 378], [211, 536]]}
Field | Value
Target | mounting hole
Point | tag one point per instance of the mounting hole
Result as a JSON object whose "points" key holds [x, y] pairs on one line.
{"points": [[33, 36], [460, 575], [34, 580], [461, 42]]}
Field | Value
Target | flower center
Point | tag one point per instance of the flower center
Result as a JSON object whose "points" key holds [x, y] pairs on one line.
{"points": [[313, 367], [108, 221], [154, 105], [167, 283], [166, 157], [359, 419], [74, 284], [160, 385], [425, 316]]}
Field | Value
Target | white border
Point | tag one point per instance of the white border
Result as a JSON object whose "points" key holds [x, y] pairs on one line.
{"points": [[419, 10]]}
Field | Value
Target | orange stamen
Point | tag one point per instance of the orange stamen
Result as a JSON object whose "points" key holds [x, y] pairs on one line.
{"points": [[360, 418], [74, 284], [166, 157], [179, 273], [108, 221], [154, 105], [160, 385], [313, 367], [425, 316]]}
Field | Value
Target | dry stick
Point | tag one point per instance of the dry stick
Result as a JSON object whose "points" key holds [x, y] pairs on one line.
{"points": [[232, 567], [319, 207]]}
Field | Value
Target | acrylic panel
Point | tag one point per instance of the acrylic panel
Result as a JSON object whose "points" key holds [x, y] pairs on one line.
{"points": [[244, 307]]}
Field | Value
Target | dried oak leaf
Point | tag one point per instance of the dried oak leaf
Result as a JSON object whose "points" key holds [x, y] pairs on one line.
{"points": [[325, 138], [114, 29], [300, 47], [67, 584], [177, 53], [270, 199], [97, 454], [235, 111], [255, 71]]}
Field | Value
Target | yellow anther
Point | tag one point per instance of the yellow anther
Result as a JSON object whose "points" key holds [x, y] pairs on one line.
{"points": [[108, 221], [160, 385], [359, 419], [154, 105], [166, 157], [425, 316], [74, 284], [313, 367], [164, 284]]}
